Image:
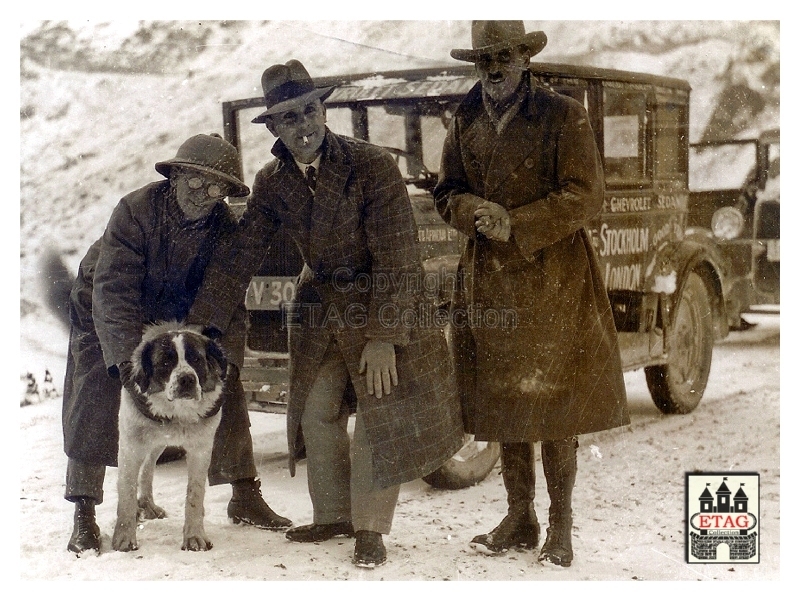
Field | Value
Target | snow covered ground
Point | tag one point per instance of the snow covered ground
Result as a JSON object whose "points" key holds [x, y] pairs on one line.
{"points": [[629, 500]]}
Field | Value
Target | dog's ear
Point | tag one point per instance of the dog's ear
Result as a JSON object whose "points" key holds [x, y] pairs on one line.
{"points": [[215, 357], [143, 368]]}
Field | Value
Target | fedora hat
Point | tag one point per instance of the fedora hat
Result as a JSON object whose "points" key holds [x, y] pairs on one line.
{"points": [[288, 86], [209, 155], [489, 37]]}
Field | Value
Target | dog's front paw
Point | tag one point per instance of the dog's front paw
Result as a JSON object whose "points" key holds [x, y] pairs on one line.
{"points": [[197, 543], [124, 539], [150, 510]]}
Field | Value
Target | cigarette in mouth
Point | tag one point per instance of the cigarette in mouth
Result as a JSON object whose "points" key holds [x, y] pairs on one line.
{"points": [[305, 140]]}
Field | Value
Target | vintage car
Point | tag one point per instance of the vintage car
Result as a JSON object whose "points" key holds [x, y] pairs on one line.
{"points": [[735, 196], [669, 288]]}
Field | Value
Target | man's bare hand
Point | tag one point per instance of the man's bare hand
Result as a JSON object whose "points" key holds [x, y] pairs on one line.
{"points": [[493, 221], [378, 361]]}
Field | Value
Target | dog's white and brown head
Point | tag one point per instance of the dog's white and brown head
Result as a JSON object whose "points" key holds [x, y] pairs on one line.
{"points": [[179, 373]]}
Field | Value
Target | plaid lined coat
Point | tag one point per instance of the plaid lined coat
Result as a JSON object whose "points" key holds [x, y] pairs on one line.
{"points": [[358, 239], [554, 371]]}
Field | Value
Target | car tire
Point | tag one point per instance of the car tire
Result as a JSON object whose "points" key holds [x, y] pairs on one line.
{"points": [[677, 386], [468, 466]]}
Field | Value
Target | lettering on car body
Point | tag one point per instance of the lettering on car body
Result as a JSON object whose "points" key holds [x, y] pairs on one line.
{"points": [[437, 234], [623, 241], [627, 204], [623, 277], [673, 201]]}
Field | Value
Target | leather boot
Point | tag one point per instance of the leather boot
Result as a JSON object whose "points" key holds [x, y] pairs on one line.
{"points": [[85, 532], [519, 528], [560, 465], [248, 507]]}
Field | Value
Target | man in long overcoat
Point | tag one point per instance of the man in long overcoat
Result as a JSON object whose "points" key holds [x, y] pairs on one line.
{"points": [[521, 177], [346, 207], [147, 268]]}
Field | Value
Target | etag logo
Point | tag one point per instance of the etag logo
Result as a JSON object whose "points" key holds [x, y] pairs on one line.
{"points": [[722, 518]]}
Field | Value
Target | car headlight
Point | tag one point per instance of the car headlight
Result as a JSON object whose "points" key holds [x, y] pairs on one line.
{"points": [[727, 223]]}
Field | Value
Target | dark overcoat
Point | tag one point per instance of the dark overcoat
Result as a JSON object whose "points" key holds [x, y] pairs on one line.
{"points": [[358, 239], [535, 344], [145, 268]]}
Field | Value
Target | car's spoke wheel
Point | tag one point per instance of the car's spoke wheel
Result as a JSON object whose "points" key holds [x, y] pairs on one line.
{"points": [[678, 386]]}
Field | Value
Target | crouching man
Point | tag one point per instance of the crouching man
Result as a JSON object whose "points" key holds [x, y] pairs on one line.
{"points": [[146, 268]]}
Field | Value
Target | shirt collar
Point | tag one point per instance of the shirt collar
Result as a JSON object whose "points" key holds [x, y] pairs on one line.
{"points": [[304, 166]]}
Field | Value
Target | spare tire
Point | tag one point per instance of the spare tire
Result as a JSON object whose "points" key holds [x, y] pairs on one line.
{"points": [[468, 466]]}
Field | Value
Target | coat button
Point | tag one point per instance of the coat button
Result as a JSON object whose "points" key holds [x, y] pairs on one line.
{"points": [[529, 163]]}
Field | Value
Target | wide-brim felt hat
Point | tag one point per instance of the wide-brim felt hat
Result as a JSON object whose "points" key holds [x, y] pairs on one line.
{"points": [[489, 37], [210, 155], [288, 86]]}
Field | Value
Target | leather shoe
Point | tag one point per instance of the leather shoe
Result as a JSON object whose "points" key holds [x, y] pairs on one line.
{"points": [[319, 532], [369, 551]]}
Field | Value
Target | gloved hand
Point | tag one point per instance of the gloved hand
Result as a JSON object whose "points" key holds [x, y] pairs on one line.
{"points": [[125, 372], [493, 221], [378, 360], [210, 332]]}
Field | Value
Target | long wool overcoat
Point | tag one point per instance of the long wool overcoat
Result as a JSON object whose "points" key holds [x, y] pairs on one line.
{"points": [[146, 268], [358, 239], [536, 354]]}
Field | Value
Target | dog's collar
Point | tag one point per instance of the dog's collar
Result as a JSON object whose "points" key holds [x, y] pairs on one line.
{"points": [[140, 402], [217, 405]]}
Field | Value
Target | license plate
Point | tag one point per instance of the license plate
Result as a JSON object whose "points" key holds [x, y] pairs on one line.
{"points": [[269, 293], [774, 250]]}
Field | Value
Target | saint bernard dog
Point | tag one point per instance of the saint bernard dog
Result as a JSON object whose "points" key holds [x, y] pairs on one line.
{"points": [[174, 399]]}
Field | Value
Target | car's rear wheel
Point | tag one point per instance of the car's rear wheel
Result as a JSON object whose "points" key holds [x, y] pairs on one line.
{"points": [[677, 386], [469, 466]]}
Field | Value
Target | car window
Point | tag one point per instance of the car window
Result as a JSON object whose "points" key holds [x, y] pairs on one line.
{"points": [[669, 145], [624, 135], [774, 170], [722, 167]]}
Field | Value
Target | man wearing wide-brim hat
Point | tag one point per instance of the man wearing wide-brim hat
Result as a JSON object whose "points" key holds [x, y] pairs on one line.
{"points": [[146, 268], [521, 177], [345, 205]]}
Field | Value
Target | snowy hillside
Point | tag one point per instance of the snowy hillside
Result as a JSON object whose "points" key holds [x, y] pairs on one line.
{"points": [[100, 103]]}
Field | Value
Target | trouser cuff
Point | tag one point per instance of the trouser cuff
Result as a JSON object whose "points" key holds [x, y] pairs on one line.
{"points": [[229, 475], [84, 479]]}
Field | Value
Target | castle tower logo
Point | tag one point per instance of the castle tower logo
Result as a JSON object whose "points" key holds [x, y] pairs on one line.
{"points": [[722, 515]]}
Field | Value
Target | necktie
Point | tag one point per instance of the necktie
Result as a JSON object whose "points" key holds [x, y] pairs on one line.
{"points": [[311, 177]]}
